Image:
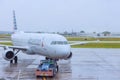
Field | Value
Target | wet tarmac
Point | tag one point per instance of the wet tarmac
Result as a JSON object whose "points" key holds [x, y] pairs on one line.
{"points": [[86, 64]]}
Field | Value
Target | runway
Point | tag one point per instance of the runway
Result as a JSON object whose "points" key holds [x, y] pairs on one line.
{"points": [[86, 64]]}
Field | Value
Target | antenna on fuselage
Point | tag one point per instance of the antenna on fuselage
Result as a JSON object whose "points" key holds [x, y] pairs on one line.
{"points": [[14, 21]]}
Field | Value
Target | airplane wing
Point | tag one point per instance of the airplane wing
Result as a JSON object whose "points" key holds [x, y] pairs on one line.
{"points": [[76, 43], [14, 47]]}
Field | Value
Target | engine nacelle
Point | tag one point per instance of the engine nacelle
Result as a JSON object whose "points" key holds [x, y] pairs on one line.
{"points": [[8, 54], [69, 56]]}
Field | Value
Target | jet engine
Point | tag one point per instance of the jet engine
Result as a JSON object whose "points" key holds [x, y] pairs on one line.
{"points": [[69, 56], [8, 54]]}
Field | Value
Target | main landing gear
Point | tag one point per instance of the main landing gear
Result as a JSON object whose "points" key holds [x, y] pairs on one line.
{"points": [[15, 60]]}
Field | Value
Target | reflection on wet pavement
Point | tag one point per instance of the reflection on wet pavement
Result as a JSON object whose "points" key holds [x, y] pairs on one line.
{"points": [[86, 64]]}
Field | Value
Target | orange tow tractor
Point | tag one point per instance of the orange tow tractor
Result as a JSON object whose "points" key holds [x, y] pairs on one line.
{"points": [[47, 68]]}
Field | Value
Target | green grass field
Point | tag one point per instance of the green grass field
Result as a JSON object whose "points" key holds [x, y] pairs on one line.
{"points": [[87, 45], [81, 39], [4, 35], [91, 39], [97, 45], [6, 43]]}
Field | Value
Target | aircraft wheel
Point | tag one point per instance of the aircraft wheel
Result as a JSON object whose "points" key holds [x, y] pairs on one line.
{"points": [[46, 58], [11, 61], [16, 59], [57, 68], [37, 76]]}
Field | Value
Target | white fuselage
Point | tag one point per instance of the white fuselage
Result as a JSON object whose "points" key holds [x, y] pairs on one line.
{"points": [[50, 45]]}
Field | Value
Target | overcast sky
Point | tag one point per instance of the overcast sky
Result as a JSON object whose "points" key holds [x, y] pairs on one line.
{"points": [[61, 15]]}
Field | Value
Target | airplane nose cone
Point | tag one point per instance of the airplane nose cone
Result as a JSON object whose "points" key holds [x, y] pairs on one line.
{"points": [[64, 51]]}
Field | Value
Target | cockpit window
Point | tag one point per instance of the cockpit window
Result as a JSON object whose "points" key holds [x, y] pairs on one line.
{"points": [[59, 42]]}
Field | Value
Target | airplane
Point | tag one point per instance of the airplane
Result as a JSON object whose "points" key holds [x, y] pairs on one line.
{"points": [[52, 46]]}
